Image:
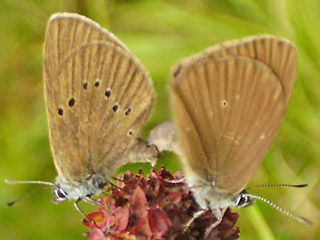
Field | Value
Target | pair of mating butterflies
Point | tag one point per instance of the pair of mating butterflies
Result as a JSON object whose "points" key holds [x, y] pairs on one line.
{"points": [[227, 102]]}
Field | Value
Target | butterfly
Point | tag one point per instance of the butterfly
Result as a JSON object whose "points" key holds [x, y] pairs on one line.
{"points": [[98, 96], [227, 104]]}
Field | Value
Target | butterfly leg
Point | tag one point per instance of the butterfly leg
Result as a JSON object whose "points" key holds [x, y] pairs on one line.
{"points": [[114, 185], [174, 181], [194, 217], [88, 199], [76, 205], [218, 213]]}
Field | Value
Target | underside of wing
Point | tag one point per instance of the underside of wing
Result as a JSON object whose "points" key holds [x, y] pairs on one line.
{"points": [[97, 102], [227, 111], [277, 53], [68, 31]]}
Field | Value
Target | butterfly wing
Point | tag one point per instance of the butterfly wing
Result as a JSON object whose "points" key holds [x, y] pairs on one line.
{"points": [[98, 97], [227, 112], [277, 53], [68, 31]]}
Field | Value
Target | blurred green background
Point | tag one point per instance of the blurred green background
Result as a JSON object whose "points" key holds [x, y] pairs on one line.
{"points": [[158, 33]]}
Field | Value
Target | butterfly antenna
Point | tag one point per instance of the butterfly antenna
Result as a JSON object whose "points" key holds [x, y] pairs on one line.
{"points": [[13, 182], [280, 209], [45, 185], [278, 185], [9, 204]]}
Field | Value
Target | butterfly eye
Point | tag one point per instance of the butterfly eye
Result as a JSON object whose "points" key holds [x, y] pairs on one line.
{"points": [[60, 194], [243, 200]]}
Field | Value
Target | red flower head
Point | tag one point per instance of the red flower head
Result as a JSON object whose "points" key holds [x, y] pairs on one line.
{"points": [[151, 207]]}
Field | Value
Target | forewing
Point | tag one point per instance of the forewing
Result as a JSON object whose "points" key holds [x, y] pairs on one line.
{"points": [[68, 31], [277, 53], [227, 111], [96, 104]]}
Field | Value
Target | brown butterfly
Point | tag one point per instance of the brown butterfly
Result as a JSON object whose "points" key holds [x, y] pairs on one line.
{"points": [[98, 96], [228, 102]]}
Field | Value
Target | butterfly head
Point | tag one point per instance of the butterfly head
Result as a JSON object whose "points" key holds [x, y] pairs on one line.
{"points": [[74, 190]]}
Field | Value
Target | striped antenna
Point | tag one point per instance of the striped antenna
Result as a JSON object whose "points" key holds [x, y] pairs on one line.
{"points": [[278, 185], [280, 209], [45, 185], [9, 204], [13, 182]]}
